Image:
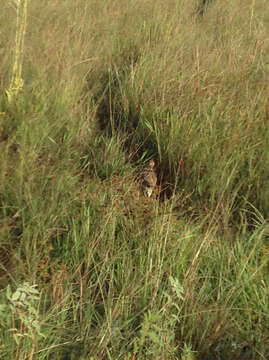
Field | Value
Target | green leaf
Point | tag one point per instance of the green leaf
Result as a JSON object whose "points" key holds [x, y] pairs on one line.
{"points": [[177, 287], [16, 295], [8, 293], [12, 329]]}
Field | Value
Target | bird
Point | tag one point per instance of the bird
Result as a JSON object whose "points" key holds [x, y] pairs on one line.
{"points": [[149, 178]]}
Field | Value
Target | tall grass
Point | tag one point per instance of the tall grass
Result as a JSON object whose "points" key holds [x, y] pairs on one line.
{"points": [[108, 85]]}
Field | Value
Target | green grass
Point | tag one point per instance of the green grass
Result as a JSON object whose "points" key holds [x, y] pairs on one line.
{"points": [[107, 86]]}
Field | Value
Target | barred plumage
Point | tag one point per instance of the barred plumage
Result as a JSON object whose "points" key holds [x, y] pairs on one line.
{"points": [[149, 178]]}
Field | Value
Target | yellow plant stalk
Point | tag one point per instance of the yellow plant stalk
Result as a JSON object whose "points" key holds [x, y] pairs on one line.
{"points": [[16, 82]]}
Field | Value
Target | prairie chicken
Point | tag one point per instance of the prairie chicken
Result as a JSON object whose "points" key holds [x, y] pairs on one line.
{"points": [[149, 178]]}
